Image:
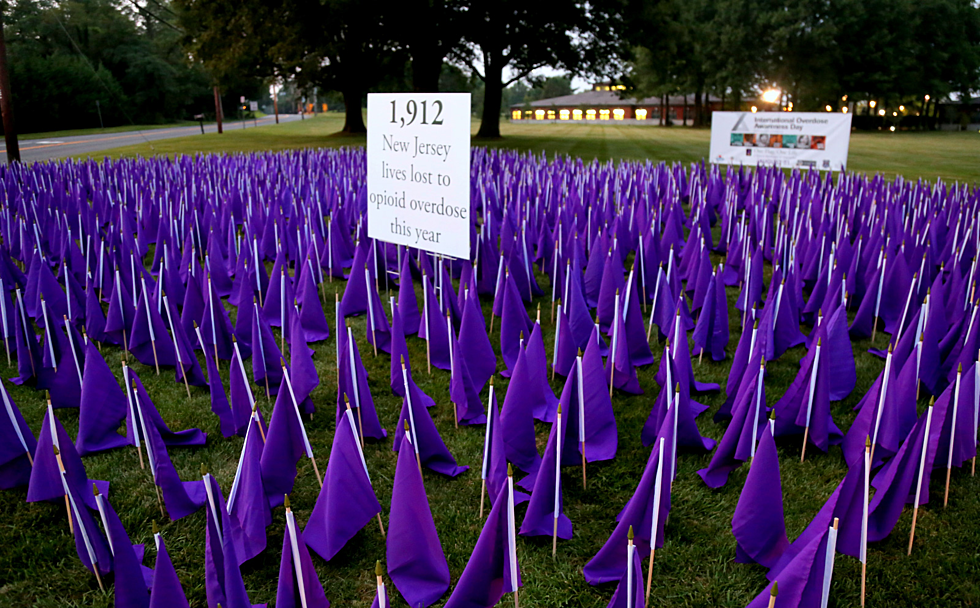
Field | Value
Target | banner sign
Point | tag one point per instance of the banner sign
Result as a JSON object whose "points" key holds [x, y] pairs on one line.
{"points": [[418, 171], [791, 140]]}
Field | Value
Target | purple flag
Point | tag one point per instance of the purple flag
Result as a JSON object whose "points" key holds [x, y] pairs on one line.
{"points": [[266, 357], [416, 563], [166, 591], [465, 397], [407, 303], [494, 470], [805, 406], [302, 370], [17, 445], [474, 344], [492, 569], [347, 501], [646, 512], [299, 586], [180, 497], [426, 441], [312, 319], [219, 399], [433, 328], [285, 444], [741, 437], [539, 391], [711, 330], [222, 574], [800, 582], [517, 424], [186, 438], [130, 584], [629, 591], [514, 323], [247, 500], [545, 510], [46, 477], [215, 326], [619, 365], [240, 394], [563, 357], [589, 411], [102, 409], [354, 384], [639, 346], [758, 524]]}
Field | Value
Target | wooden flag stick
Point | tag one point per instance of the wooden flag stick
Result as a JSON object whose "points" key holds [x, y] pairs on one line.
{"points": [[582, 449], [382, 526], [317, 471], [61, 468], [773, 593], [952, 433], [483, 493], [156, 361]]}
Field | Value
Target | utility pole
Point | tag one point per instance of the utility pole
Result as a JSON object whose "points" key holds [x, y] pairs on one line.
{"points": [[218, 114], [6, 100]]}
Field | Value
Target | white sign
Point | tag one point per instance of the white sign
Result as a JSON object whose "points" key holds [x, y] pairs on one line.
{"points": [[253, 106], [802, 140], [418, 171]]}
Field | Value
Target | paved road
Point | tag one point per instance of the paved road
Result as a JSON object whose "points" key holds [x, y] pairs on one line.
{"points": [[79, 145]]}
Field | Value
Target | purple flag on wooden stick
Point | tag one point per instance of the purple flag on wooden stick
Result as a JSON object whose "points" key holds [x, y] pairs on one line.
{"points": [[347, 501], [299, 586], [130, 584], [474, 343], [758, 524], [517, 424], [514, 323], [102, 409], [545, 513], [266, 357], [427, 444], [354, 384], [629, 591], [222, 566], [416, 563], [17, 445], [538, 389], [589, 411], [741, 437], [165, 591], [286, 443], [247, 500], [181, 497], [492, 569], [46, 477]]}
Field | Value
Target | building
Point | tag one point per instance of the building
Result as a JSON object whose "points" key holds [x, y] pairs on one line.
{"points": [[603, 102]]}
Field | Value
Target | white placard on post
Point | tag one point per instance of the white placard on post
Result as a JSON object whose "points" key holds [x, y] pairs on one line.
{"points": [[418, 171], [803, 140]]}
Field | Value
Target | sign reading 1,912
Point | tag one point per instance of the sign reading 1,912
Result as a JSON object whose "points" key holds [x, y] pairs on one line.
{"points": [[418, 170]]}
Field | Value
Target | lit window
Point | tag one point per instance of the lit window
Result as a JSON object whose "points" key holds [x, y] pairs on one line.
{"points": [[590, 115], [607, 88], [515, 114], [551, 114], [603, 114], [563, 114], [528, 114], [576, 114], [641, 114], [619, 114], [539, 114]]}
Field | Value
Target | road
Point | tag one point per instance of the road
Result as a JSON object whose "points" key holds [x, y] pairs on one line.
{"points": [[32, 150]]}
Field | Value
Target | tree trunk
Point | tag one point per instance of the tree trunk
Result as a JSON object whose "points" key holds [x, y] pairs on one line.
{"points": [[723, 100], [492, 98], [6, 101], [353, 118], [663, 110], [684, 112], [426, 69], [218, 113], [698, 109]]}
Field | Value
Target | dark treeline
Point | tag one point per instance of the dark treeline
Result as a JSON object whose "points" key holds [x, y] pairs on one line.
{"points": [[157, 60]]}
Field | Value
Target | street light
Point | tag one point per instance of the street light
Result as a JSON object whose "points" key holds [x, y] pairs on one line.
{"points": [[771, 95]]}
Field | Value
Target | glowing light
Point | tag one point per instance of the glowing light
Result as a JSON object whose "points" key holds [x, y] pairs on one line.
{"points": [[515, 114], [551, 114], [881, 112], [641, 114], [576, 114], [901, 108], [894, 113], [603, 114], [771, 95], [927, 98], [619, 114], [539, 114], [590, 114], [892, 129], [844, 110], [844, 98], [872, 103], [829, 109], [563, 114], [754, 109]]}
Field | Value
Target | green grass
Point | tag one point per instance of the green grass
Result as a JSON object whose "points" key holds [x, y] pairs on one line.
{"points": [[695, 568], [950, 156], [119, 129]]}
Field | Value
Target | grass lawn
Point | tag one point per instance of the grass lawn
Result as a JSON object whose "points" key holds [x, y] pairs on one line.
{"points": [[119, 129], [696, 567], [950, 156]]}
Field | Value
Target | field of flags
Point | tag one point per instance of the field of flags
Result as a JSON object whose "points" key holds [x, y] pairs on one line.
{"points": [[594, 293]]}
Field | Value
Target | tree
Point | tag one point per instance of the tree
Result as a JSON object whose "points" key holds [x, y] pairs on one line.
{"points": [[521, 37]]}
